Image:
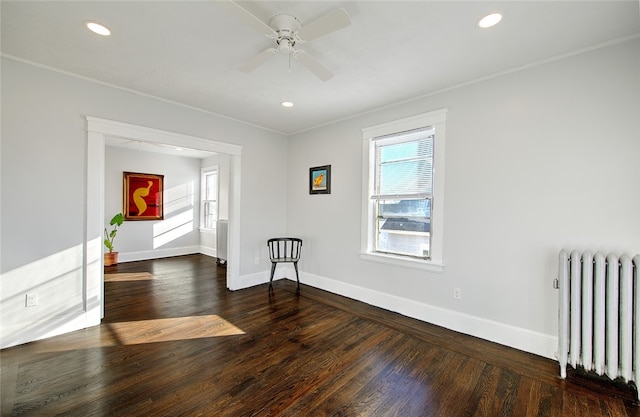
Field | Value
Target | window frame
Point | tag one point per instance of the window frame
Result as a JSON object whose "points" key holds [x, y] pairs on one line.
{"points": [[203, 201], [382, 194], [437, 120]]}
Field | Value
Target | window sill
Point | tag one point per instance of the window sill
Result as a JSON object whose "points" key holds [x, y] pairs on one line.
{"points": [[401, 261], [208, 231]]}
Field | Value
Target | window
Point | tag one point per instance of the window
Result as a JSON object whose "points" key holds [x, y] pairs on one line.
{"points": [[402, 207], [209, 198], [402, 193]]}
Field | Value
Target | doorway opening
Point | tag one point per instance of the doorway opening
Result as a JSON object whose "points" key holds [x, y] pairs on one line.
{"points": [[99, 132]]}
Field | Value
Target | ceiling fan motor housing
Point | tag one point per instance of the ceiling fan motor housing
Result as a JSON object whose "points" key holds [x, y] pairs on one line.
{"points": [[286, 28]]}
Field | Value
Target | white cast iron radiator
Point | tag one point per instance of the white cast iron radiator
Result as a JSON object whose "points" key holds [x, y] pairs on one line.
{"points": [[222, 231], [599, 311]]}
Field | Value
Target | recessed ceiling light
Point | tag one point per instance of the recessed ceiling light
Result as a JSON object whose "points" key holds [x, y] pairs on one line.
{"points": [[490, 20], [97, 28], [287, 104]]}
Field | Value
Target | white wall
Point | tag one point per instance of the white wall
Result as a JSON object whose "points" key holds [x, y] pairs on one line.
{"points": [[536, 160], [43, 176], [178, 232]]}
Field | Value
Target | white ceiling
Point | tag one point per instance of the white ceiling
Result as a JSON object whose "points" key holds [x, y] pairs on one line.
{"points": [[189, 51]]}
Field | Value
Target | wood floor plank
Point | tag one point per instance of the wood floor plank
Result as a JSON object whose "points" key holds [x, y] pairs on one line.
{"points": [[175, 341], [455, 393], [336, 394]]}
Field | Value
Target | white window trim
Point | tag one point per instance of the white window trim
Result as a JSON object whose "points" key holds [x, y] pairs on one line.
{"points": [[204, 171], [437, 119]]}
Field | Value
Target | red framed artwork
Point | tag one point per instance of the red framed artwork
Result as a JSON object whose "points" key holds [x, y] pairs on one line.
{"points": [[143, 196]]}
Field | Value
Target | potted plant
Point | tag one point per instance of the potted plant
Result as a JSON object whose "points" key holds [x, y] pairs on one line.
{"points": [[111, 257]]}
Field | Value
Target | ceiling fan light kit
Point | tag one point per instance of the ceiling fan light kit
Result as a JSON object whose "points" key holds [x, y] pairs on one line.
{"points": [[287, 32]]}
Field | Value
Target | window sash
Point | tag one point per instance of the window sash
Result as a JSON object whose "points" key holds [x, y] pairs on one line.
{"points": [[403, 170], [398, 240], [210, 214], [209, 199], [210, 186], [403, 165]]}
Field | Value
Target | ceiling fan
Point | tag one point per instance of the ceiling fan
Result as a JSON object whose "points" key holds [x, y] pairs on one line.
{"points": [[287, 32]]}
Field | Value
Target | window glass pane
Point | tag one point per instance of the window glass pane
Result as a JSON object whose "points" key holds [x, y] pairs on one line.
{"points": [[209, 210], [211, 186], [406, 177], [398, 151], [210, 214], [405, 208], [404, 227], [404, 168]]}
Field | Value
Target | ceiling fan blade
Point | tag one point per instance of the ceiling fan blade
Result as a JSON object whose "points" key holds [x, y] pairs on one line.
{"points": [[258, 60], [328, 23], [314, 66], [237, 10]]}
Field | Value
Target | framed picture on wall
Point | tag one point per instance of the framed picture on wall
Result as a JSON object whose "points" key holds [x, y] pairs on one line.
{"points": [[320, 180], [143, 196]]}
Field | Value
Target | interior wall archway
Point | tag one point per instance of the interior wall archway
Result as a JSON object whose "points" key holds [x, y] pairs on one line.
{"points": [[97, 132]]}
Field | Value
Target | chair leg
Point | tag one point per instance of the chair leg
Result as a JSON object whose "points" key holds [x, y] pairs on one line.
{"points": [[295, 265], [273, 270]]}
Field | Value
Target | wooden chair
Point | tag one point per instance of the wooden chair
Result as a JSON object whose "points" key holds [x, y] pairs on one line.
{"points": [[284, 249]]}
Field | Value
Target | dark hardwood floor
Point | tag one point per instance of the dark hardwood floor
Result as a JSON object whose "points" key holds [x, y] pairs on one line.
{"points": [[176, 342]]}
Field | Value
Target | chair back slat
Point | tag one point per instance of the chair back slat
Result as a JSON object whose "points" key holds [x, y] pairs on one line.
{"points": [[284, 249]]}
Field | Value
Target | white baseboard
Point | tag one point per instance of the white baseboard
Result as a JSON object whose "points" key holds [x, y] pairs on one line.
{"points": [[522, 339], [251, 280], [205, 250]]}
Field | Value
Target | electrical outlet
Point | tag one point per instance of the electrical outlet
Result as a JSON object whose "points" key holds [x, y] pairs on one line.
{"points": [[32, 300], [457, 293], [256, 260]]}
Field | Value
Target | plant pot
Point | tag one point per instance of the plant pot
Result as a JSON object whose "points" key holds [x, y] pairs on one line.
{"points": [[110, 258]]}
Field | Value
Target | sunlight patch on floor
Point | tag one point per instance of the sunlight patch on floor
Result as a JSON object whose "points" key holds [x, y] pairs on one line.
{"points": [[170, 329], [138, 332], [126, 276]]}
